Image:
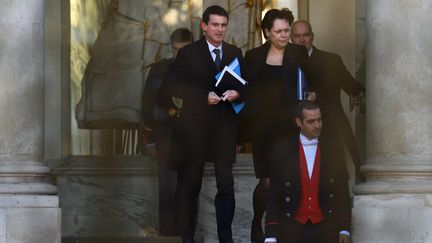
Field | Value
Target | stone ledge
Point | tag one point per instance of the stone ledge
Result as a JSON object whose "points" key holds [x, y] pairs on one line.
{"points": [[24, 167], [394, 187], [393, 201], [404, 167], [132, 165], [28, 188], [30, 201]]}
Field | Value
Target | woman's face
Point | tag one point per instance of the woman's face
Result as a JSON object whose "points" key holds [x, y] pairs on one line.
{"points": [[279, 34]]}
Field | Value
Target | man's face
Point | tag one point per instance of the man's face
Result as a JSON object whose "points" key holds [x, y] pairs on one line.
{"points": [[176, 46], [215, 29], [279, 33], [311, 124], [301, 34]]}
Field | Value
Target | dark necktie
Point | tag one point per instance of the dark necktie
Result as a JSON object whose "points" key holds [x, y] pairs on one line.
{"points": [[217, 61]]}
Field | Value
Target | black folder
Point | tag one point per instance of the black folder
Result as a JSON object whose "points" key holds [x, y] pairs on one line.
{"points": [[228, 80]]}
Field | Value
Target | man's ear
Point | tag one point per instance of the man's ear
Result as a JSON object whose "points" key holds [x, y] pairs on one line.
{"points": [[203, 26], [298, 121]]}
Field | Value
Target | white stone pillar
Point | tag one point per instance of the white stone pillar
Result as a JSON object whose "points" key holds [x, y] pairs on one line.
{"points": [[395, 204], [29, 206]]}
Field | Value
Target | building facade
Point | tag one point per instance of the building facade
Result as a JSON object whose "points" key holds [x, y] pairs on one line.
{"points": [[48, 191]]}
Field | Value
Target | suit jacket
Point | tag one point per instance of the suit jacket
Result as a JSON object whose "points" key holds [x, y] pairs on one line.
{"points": [[191, 77], [284, 96], [330, 77], [285, 187]]}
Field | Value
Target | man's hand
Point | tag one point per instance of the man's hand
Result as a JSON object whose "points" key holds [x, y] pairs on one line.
{"points": [[311, 96], [238, 148], [213, 98], [344, 238], [151, 151], [230, 95]]}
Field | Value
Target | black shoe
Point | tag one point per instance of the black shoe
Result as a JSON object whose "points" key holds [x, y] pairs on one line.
{"points": [[257, 233]]}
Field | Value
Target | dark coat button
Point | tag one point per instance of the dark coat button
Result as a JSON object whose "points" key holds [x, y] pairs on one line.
{"points": [[288, 215], [331, 181], [331, 195], [287, 183], [330, 211], [287, 199]]}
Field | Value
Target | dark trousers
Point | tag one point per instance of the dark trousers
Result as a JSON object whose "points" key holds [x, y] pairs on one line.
{"points": [[222, 139], [167, 183], [294, 232]]}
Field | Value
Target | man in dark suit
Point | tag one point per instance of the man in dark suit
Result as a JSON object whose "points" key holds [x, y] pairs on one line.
{"points": [[330, 77], [207, 125], [157, 128], [308, 200]]}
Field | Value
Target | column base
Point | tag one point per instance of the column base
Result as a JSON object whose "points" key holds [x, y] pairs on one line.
{"points": [[30, 219], [29, 208], [397, 175], [26, 178], [396, 218]]}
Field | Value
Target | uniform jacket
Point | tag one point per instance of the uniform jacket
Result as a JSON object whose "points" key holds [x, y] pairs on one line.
{"points": [[285, 188], [153, 115]]}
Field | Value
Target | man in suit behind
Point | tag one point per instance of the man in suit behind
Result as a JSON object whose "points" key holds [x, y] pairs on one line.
{"points": [[330, 77], [157, 127], [308, 200], [207, 125]]}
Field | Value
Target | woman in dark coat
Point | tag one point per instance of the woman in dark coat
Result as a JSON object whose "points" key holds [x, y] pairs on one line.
{"points": [[272, 74]]}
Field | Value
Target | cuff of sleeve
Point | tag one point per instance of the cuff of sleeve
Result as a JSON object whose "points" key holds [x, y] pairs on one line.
{"points": [[268, 240], [150, 145]]}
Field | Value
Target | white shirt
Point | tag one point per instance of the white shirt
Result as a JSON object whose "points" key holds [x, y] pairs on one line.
{"points": [[310, 149], [212, 47], [310, 51]]}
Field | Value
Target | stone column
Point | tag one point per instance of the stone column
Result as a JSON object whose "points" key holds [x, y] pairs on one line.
{"points": [[395, 204], [29, 206]]}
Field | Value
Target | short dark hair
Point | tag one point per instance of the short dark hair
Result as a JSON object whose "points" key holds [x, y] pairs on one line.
{"points": [[181, 35], [272, 15], [214, 9], [304, 105]]}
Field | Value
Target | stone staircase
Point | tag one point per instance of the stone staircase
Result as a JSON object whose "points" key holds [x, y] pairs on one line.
{"points": [[124, 240]]}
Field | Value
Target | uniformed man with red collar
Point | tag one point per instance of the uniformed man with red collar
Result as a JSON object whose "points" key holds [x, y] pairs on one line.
{"points": [[308, 200]]}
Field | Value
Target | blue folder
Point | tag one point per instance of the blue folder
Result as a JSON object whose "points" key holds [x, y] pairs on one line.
{"points": [[235, 66], [302, 84]]}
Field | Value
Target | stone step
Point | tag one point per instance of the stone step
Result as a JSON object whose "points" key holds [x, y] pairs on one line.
{"points": [[124, 240]]}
